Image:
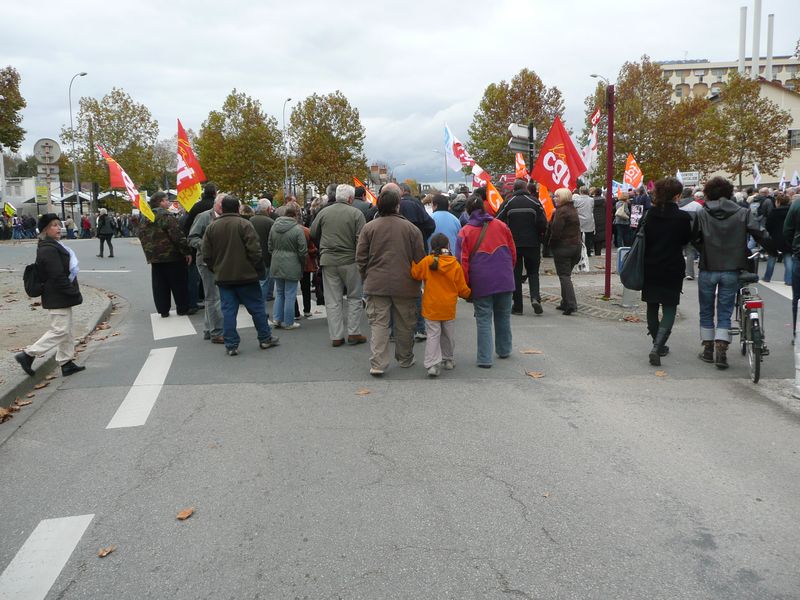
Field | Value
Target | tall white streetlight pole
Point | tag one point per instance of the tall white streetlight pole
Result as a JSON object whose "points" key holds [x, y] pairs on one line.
{"points": [[285, 154], [445, 168], [75, 185]]}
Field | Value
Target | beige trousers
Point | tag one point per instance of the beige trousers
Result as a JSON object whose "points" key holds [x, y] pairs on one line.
{"points": [[58, 336], [403, 311], [440, 342]]}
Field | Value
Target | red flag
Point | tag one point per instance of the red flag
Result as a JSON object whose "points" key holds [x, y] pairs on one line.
{"points": [[189, 172], [120, 179], [370, 196], [559, 163], [493, 199], [520, 168]]}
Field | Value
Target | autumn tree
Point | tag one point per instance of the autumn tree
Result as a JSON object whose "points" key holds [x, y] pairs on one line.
{"points": [[124, 128], [523, 100], [11, 105], [747, 130], [239, 147], [327, 140]]}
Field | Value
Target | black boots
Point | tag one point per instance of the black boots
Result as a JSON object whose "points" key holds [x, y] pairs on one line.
{"points": [[721, 358], [659, 349], [70, 368], [707, 355], [25, 361]]}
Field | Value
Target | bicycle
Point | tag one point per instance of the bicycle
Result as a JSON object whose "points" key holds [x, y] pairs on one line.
{"points": [[750, 317]]}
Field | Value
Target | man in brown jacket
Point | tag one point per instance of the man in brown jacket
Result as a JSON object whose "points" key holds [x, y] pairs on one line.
{"points": [[232, 251], [387, 247]]}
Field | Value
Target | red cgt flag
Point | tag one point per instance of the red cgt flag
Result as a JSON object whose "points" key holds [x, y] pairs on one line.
{"points": [[493, 199], [633, 174], [559, 164]]}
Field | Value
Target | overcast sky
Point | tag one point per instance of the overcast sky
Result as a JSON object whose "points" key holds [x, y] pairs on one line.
{"points": [[408, 66]]}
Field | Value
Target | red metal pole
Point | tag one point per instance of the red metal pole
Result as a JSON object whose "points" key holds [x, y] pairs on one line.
{"points": [[609, 182]]}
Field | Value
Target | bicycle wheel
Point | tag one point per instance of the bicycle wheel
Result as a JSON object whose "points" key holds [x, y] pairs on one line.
{"points": [[754, 354]]}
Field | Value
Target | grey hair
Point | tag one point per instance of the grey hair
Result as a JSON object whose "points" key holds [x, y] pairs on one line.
{"points": [[264, 207], [345, 192]]}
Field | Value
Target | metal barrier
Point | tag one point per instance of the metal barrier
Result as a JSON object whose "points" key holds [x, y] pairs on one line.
{"points": [[630, 298]]}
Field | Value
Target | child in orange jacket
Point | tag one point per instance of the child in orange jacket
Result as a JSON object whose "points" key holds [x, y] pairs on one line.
{"points": [[444, 283]]}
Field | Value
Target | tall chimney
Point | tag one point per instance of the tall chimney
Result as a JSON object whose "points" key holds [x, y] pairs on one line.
{"points": [[768, 65], [756, 39], [742, 38]]}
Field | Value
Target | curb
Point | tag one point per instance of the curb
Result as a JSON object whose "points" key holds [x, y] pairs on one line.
{"points": [[44, 368]]}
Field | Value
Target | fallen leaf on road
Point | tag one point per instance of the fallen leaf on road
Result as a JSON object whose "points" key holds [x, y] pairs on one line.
{"points": [[36, 303], [106, 551], [5, 414], [104, 325], [80, 348], [546, 495], [13, 408], [661, 373], [631, 319], [42, 385], [534, 374], [50, 377], [30, 395], [115, 334], [363, 392], [19, 402], [530, 351], [185, 514]]}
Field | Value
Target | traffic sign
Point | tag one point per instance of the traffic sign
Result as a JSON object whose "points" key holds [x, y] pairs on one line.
{"points": [[516, 144], [47, 170], [690, 177], [518, 131], [46, 151]]}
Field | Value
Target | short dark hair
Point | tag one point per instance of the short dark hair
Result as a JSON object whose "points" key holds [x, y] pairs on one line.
{"points": [[439, 242], [440, 202], [156, 199], [330, 192], [405, 187], [666, 189], [480, 192], [520, 184], [210, 190], [230, 204], [360, 192], [718, 187], [474, 202], [388, 201]]}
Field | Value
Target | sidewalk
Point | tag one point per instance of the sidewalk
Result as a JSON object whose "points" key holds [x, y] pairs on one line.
{"points": [[23, 320]]}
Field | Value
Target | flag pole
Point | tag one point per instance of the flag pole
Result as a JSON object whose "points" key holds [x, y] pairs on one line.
{"points": [[609, 176]]}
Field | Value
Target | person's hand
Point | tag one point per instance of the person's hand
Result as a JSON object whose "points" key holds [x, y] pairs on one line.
{"points": [[188, 259]]}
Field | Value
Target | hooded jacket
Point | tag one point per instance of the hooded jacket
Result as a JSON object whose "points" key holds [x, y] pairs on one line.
{"points": [[52, 262], [491, 269], [288, 247], [720, 234], [443, 286]]}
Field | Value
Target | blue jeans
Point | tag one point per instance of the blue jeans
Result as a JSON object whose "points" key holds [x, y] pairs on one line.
{"points": [[194, 285], [723, 285], [497, 308], [787, 268], [285, 297], [267, 287], [795, 291], [249, 294]]}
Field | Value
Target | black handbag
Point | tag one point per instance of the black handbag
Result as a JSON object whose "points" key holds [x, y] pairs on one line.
{"points": [[631, 273]]}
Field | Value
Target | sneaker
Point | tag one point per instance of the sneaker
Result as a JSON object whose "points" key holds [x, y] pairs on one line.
{"points": [[448, 364], [537, 307], [306, 315], [294, 325], [269, 343], [375, 372], [420, 336], [232, 351], [517, 311], [434, 371], [689, 278], [275, 324], [206, 335]]}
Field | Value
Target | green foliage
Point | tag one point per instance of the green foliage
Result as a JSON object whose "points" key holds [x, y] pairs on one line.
{"points": [[414, 185], [11, 132], [327, 140], [124, 128], [524, 100], [239, 147]]}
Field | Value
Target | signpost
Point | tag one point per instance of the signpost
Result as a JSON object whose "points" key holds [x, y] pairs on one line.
{"points": [[522, 137], [47, 152], [690, 178]]}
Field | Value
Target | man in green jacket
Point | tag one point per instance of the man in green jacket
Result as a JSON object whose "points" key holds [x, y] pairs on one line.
{"points": [[336, 229], [232, 251]]}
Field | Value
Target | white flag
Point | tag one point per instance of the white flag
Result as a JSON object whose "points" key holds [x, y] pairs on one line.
{"points": [[756, 175], [457, 155], [678, 176], [782, 184], [795, 179]]}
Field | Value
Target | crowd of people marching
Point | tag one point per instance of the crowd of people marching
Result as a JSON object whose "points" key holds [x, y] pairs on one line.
{"points": [[406, 260]]}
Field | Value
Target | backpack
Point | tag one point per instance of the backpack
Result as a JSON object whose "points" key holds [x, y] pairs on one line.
{"points": [[34, 286]]}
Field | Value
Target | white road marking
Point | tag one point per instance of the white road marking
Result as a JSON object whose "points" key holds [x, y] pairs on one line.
{"points": [[778, 287], [172, 326], [35, 568], [105, 271], [141, 398]]}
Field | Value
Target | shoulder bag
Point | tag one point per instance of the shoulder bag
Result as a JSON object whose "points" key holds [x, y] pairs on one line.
{"points": [[631, 273]]}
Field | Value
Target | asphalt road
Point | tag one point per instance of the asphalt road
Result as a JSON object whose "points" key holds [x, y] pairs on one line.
{"points": [[309, 479]]}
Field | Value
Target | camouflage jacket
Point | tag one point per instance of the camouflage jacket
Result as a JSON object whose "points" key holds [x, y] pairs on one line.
{"points": [[163, 240]]}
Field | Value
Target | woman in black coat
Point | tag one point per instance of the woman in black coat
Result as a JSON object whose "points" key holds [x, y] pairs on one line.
{"points": [[58, 271], [667, 229], [599, 210]]}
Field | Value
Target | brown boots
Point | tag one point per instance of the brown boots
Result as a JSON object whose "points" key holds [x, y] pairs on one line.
{"points": [[721, 358], [707, 355]]}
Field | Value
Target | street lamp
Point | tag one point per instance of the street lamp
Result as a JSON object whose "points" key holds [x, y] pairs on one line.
{"points": [[75, 185], [445, 168], [609, 179], [397, 167], [285, 154]]}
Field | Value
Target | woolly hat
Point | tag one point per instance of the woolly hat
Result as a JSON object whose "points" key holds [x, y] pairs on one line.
{"points": [[45, 220]]}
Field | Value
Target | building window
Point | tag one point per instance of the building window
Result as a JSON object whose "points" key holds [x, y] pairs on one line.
{"points": [[678, 91], [794, 139]]}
